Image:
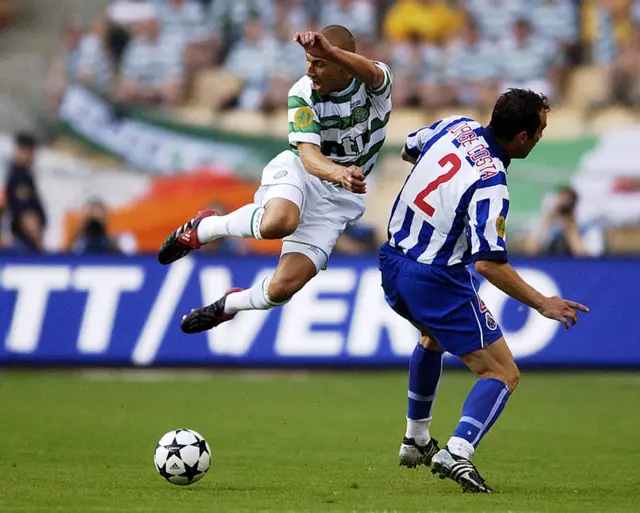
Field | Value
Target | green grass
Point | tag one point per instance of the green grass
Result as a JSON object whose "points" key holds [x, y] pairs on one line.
{"points": [[322, 442]]}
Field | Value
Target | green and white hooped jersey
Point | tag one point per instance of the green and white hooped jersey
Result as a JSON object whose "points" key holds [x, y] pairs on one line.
{"points": [[349, 126]]}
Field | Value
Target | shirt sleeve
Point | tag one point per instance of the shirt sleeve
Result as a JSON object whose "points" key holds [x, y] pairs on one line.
{"points": [[384, 89], [304, 124], [416, 140], [488, 212]]}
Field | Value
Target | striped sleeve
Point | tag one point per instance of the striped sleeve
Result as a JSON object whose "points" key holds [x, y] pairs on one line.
{"points": [[385, 87], [488, 211], [416, 140], [304, 123]]}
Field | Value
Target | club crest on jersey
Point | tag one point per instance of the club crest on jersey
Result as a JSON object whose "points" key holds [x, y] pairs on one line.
{"points": [[501, 226], [360, 114], [491, 322], [303, 117]]}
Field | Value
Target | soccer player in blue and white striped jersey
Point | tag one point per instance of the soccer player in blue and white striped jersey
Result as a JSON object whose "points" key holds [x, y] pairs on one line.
{"points": [[451, 212]]}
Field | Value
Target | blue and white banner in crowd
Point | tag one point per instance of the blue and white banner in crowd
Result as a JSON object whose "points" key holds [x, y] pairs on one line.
{"points": [[126, 311]]}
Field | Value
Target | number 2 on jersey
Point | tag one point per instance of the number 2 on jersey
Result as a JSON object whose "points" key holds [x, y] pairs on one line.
{"points": [[448, 160]]}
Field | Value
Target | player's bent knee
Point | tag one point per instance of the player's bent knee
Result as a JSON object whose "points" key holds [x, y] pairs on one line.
{"points": [[512, 379], [283, 289], [279, 224], [430, 344]]}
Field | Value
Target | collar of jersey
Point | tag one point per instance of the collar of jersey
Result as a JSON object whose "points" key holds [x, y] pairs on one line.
{"points": [[495, 146], [346, 90]]}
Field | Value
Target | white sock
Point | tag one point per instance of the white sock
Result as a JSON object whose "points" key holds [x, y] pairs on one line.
{"points": [[255, 298], [244, 222], [460, 447], [418, 430]]}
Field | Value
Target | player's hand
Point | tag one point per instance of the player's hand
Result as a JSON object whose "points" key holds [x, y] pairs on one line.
{"points": [[315, 44], [352, 179], [562, 310]]}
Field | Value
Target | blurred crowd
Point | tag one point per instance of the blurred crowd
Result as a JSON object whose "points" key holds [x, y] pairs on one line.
{"points": [[24, 218], [23, 221], [443, 53]]}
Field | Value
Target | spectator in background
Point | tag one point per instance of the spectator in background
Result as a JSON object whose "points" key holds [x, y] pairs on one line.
{"points": [[559, 233], [358, 15], [527, 62], [496, 18], [94, 63], [292, 16], [556, 20], [183, 25], [253, 60], [23, 203], [64, 67], [418, 68], [608, 30], [92, 237], [626, 73], [473, 69], [152, 70], [432, 20], [230, 16], [606, 27]]}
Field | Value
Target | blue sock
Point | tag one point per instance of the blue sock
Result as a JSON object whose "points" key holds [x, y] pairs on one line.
{"points": [[483, 406], [425, 368]]}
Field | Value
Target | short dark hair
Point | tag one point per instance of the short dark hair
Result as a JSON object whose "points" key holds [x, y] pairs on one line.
{"points": [[567, 189], [25, 140], [341, 37], [517, 110]]}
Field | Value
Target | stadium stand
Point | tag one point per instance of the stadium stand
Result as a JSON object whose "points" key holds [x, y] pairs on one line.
{"points": [[227, 65]]}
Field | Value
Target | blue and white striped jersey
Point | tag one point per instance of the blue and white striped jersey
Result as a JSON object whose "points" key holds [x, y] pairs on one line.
{"points": [[453, 207]]}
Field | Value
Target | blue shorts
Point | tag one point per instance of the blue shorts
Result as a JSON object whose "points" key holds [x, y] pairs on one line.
{"points": [[442, 299]]}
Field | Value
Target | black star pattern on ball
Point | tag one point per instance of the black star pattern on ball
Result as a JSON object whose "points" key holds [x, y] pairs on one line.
{"points": [[202, 445], [163, 472], [174, 448], [190, 472]]}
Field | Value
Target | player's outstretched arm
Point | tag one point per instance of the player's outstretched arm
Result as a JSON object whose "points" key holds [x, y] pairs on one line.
{"points": [[505, 277], [351, 178], [316, 45]]}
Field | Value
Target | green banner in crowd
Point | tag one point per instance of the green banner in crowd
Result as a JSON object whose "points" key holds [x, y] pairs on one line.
{"points": [[153, 142]]}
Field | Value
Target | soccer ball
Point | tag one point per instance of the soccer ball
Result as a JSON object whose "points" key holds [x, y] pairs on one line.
{"points": [[182, 456]]}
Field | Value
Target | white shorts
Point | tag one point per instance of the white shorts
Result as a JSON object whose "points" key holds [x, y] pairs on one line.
{"points": [[325, 209]]}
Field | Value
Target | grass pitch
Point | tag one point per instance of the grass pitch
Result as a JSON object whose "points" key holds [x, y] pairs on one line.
{"points": [[83, 442]]}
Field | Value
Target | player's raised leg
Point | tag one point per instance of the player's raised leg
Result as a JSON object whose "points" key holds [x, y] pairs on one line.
{"points": [[425, 369], [276, 220], [279, 218], [498, 377], [293, 272]]}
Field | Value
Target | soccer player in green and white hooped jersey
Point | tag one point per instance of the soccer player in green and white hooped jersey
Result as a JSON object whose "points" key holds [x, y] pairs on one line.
{"points": [[309, 194]]}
